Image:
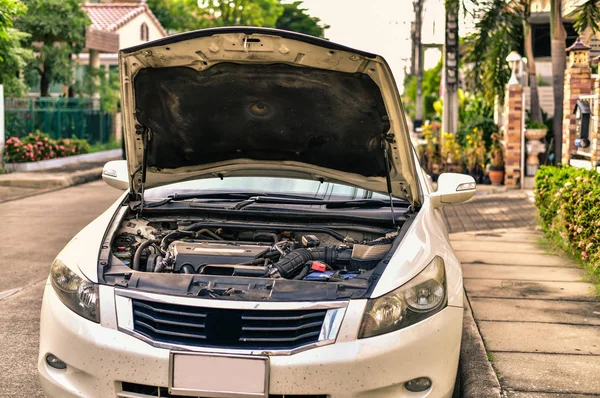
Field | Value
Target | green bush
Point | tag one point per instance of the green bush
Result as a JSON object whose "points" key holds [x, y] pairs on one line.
{"points": [[38, 146], [568, 200]]}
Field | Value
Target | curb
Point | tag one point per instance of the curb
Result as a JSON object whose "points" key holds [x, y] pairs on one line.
{"points": [[478, 379], [66, 181], [103, 156], [50, 180]]}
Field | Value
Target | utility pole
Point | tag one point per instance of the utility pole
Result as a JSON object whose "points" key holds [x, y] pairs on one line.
{"points": [[413, 50], [450, 114], [418, 61]]}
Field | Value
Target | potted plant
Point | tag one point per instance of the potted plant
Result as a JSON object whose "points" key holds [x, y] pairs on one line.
{"points": [[474, 153], [496, 156], [452, 154], [535, 130]]}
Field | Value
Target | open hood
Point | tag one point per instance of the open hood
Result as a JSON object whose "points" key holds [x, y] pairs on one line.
{"points": [[262, 102]]}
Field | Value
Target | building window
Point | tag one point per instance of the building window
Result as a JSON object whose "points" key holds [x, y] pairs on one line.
{"points": [[144, 32]]}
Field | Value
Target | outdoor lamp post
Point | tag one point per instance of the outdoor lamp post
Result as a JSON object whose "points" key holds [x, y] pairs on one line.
{"points": [[513, 60]]}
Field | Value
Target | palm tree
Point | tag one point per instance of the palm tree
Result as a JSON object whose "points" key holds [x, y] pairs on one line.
{"points": [[501, 27], [497, 32], [524, 6], [558, 43]]}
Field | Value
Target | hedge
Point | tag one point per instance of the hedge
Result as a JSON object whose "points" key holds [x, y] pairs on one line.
{"points": [[568, 200], [38, 146]]}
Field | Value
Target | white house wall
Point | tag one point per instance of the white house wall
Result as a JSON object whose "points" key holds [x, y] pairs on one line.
{"points": [[129, 34]]}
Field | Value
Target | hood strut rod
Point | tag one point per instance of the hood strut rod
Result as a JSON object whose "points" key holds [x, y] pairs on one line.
{"points": [[145, 138], [388, 179]]}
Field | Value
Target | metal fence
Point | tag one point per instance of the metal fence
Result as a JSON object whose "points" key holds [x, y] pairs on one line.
{"points": [[59, 118]]}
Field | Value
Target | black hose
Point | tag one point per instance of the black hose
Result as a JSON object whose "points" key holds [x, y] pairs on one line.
{"points": [[187, 269], [268, 235], [303, 273], [163, 242], [138, 253], [206, 231], [329, 231]]}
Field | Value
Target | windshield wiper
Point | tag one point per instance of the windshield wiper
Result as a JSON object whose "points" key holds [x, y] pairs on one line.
{"points": [[330, 204], [239, 196], [245, 199]]}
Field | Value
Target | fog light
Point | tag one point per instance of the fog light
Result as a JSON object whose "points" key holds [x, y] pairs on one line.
{"points": [[419, 384], [54, 362]]}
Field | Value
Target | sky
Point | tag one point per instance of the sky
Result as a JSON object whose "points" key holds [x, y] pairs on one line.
{"points": [[381, 27]]}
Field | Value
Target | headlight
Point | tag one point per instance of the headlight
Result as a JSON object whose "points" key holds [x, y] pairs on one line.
{"points": [[78, 294], [421, 297]]}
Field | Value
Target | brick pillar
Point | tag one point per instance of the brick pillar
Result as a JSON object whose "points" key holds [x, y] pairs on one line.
{"points": [[513, 128], [578, 81]]}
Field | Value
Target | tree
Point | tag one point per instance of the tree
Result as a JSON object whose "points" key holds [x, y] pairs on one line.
{"points": [[297, 19], [431, 91], [558, 41], [587, 16], [499, 30], [13, 57], [96, 81], [184, 15], [180, 15], [498, 34], [524, 8], [242, 12], [57, 29]]}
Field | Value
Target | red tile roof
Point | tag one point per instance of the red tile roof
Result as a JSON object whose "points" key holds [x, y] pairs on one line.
{"points": [[109, 17]]}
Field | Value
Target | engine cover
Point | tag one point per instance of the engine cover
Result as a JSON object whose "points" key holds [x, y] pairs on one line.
{"points": [[198, 254]]}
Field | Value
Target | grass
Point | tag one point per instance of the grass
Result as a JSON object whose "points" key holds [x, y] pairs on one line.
{"points": [[105, 146], [555, 244], [490, 357]]}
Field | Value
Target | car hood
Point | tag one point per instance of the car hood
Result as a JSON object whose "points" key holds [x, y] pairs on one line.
{"points": [[262, 102]]}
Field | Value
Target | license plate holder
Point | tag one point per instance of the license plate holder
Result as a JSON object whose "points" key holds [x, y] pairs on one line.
{"points": [[212, 375]]}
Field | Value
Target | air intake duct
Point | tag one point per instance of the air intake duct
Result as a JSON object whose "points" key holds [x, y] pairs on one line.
{"points": [[293, 263]]}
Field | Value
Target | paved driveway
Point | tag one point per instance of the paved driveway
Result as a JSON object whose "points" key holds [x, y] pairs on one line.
{"points": [[33, 231]]}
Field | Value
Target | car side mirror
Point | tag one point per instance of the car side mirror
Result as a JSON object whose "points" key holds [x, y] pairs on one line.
{"points": [[453, 188], [115, 174]]}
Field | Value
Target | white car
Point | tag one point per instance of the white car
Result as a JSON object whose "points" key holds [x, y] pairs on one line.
{"points": [[276, 236]]}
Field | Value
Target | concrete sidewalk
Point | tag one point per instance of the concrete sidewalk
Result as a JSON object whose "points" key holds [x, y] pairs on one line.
{"points": [[492, 208], [539, 319]]}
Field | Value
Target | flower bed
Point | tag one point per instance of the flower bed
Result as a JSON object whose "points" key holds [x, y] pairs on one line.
{"points": [[38, 146], [568, 201]]}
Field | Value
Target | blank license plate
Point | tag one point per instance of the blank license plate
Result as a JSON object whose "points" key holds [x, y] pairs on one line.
{"points": [[218, 376]]}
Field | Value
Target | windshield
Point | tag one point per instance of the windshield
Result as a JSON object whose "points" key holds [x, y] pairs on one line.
{"points": [[267, 185]]}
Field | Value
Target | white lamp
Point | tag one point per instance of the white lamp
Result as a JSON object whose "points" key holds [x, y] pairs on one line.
{"points": [[513, 60]]}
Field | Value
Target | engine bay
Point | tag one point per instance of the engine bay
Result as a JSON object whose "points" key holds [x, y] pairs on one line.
{"points": [[250, 250]]}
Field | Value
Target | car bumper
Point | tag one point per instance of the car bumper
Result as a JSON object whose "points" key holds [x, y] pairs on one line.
{"points": [[99, 358]]}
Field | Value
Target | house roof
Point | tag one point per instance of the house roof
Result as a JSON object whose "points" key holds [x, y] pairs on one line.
{"points": [[109, 17]]}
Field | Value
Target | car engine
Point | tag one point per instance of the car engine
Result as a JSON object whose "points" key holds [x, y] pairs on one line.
{"points": [[184, 247]]}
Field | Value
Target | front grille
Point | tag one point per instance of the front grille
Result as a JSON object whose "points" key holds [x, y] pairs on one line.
{"points": [[227, 328], [133, 390]]}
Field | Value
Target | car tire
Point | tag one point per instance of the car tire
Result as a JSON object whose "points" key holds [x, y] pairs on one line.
{"points": [[456, 393]]}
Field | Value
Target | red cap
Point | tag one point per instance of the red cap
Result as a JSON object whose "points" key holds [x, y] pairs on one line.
{"points": [[318, 266]]}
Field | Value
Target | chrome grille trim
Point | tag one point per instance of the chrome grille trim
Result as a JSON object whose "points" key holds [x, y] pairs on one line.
{"points": [[334, 314]]}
